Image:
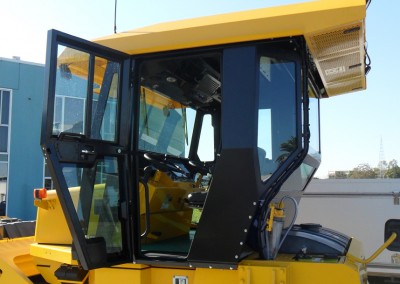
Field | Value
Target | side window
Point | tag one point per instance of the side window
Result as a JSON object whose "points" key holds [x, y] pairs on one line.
{"points": [[78, 108], [276, 113], [299, 179], [314, 121]]}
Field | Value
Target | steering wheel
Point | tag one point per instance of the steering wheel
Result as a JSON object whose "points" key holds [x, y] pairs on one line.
{"points": [[162, 164]]}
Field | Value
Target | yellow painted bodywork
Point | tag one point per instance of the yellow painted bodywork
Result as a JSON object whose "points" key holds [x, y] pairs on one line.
{"points": [[283, 271], [334, 32], [274, 22], [16, 263], [21, 258], [333, 29], [169, 216], [50, 219]]}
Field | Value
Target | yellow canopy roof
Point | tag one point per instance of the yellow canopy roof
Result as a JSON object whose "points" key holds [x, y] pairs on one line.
{"points": [[334, 31], [290, 20]]}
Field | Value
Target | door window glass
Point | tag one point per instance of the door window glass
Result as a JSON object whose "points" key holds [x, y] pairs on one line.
{"points": [[276, 114], [71, 88], [95, 194], [78, 108], [105, 98]]}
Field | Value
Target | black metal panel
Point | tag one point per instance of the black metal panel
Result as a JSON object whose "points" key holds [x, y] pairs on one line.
{"points": [[228, 212], [233, 193], [239, 98], [229, 209]]}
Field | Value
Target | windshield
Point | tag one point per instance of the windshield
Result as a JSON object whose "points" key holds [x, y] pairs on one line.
{"points": [[171, 99], [163, 125]]}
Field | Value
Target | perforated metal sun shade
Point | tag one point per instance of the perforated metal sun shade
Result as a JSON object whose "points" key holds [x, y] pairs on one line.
{"points": [[339, 56]]}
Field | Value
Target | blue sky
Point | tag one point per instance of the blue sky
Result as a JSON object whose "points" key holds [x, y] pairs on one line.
{"points": [[352, 125]]}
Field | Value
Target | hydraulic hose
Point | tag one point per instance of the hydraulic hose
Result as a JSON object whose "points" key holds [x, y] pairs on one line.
{"points": [[375, 254], [296, 209]]}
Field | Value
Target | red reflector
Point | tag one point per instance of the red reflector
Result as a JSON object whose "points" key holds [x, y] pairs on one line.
{"points": [[40, 193]]}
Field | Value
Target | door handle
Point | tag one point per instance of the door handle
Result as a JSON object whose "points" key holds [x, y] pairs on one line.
{"points": [[87, 152]]}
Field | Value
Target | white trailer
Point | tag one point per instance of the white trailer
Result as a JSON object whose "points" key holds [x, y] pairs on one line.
{"points": [[359, 208]]}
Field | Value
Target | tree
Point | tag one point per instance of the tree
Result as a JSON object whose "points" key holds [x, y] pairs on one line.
{"points": [[340, 175], [363, 171], [287, 148], [393, 170]]}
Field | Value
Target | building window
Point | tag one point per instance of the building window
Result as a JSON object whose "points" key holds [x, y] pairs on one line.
{"points": [[5, 99], [69, 114]]}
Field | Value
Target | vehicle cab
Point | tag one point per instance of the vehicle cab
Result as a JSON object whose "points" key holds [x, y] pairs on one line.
{"points": [[173, 153]]}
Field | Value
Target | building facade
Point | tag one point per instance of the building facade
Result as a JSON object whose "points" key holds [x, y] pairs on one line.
{"points": [[21, 160]]}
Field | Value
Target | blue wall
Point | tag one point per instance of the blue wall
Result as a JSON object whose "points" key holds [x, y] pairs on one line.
{"points": [[25, 158]]}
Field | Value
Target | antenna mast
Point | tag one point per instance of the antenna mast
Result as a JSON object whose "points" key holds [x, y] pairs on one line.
{"points": [[115, 17]]}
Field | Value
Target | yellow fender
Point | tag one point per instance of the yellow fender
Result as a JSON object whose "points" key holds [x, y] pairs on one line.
{"points": [[16, 264]]}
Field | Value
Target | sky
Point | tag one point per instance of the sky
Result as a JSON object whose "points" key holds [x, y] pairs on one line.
{"points": [[356, 128]]}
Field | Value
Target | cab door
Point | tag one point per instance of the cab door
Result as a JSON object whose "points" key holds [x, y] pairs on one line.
{"points": [[85, 140]]}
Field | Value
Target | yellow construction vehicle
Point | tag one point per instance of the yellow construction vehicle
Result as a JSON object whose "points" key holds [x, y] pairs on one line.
{"points": [[179, 151]]}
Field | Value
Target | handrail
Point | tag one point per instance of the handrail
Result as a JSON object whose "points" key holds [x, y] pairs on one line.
{"points": [[376, 253]]}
